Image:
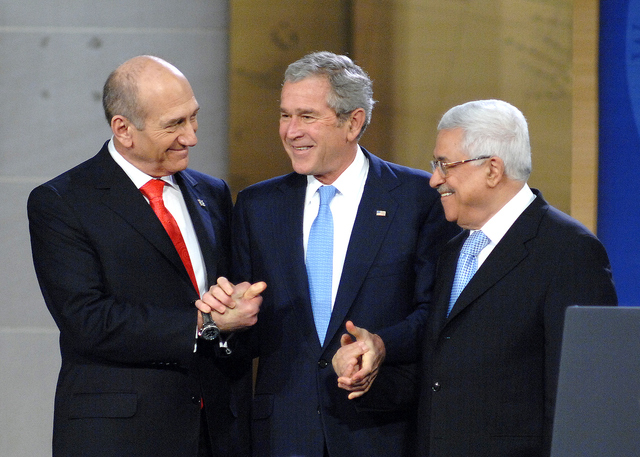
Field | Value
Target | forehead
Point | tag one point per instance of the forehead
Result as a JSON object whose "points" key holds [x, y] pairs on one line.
{"points": [[172, 101], [449, 145], [308, 93]]}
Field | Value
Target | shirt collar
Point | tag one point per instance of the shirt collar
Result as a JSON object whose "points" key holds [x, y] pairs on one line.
{"points": [[349, 182], [138, 177], [501, 222]]}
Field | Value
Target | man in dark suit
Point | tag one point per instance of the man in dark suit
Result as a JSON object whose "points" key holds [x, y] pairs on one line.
{"points": [[132, 381], [388, 230], [492, 347]]}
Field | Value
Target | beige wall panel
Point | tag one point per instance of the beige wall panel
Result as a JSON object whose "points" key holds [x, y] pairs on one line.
{"points": [[265, 38], [438, 54], [425, 56], [584, 182]]}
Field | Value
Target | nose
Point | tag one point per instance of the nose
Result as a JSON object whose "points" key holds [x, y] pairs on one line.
{"points": [[188, 136], [436, 179], [291, 127]]}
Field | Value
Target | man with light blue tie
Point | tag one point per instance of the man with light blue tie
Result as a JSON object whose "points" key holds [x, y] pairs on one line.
{"points": [[491, 351], [365, 251]]}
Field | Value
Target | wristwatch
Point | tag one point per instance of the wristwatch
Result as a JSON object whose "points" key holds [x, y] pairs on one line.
{"points": [[210, 330]]}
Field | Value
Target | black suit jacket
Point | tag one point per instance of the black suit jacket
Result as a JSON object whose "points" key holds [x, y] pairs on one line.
{"points": [[385, 287], [130, 382], [490, 369]]}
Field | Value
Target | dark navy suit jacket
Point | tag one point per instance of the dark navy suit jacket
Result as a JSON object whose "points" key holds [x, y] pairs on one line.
{"points": [[130, 382], [385, 287], [490, 370]]}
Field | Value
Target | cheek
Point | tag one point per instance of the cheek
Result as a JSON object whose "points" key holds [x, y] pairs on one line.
{"points": [[450, 206]]}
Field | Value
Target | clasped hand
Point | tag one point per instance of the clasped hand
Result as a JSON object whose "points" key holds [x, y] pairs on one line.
{"points": [[232, 307], [358, 360]]}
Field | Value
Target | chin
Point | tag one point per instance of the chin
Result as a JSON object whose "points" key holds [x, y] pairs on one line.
{"points": [[301, 169]]}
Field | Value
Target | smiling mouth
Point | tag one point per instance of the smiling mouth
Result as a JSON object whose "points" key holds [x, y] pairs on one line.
{"points": [[444, 192], [301, 148]]}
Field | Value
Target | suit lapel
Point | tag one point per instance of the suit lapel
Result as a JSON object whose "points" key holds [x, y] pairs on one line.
{"points": [[288, 243], [447, 264], [375, 215], [123, 198], [201, 219], [508, 253]]}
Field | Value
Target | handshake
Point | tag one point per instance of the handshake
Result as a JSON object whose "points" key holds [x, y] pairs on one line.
{"points": [[229, 308]]}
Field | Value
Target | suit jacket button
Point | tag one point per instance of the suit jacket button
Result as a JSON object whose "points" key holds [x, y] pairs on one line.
{"points": [[323, 363], [436, 386]]}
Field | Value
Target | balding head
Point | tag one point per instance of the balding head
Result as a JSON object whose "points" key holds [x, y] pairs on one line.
{"points": [[124, 89]]}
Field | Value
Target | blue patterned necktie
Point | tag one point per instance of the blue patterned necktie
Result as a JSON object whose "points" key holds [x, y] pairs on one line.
{"points": [[467, 264], [320, 262]]}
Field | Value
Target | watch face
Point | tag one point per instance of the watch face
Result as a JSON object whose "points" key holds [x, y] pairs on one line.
{"points": [[210, 332]]}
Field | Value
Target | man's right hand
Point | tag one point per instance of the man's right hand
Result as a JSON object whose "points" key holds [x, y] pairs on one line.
{"points": [[358, 361], [232, 307]]}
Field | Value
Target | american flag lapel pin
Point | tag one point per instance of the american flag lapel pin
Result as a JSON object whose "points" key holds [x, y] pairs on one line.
{"points": [[381, 213], [202, 203]]}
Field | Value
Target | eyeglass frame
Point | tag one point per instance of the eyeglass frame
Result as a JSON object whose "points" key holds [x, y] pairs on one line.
{"points": [[442, 167]]}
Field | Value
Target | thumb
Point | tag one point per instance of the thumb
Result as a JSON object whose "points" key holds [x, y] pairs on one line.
{"points": [[357, 332], [254, 290], [346, 339]]}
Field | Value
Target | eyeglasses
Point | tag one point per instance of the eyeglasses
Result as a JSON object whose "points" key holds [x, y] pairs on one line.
{"points": [[442, 167]]}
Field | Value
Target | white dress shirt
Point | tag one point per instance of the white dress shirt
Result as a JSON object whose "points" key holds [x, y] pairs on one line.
{"points": [[501, 222], [174, 202], [344, 207]]}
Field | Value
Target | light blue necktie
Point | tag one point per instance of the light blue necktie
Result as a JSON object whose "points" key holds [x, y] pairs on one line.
{"points": [[320, 262], [467, 264]]}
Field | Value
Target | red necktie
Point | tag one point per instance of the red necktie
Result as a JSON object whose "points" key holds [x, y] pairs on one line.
{"points": [[153, 191]]}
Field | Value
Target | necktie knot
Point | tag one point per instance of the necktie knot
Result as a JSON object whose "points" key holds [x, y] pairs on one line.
{"points": [[153, 189], [326, 194], [475, 243]]}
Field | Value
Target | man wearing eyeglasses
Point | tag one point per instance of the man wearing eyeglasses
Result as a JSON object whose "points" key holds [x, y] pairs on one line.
{"points": [[491, 350]]}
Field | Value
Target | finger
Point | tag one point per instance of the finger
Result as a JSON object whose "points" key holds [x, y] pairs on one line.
{"points": [[208, 304], [226, 285], [357, 332], [349, 326], [360, 376], [345, 382], [346, 339], [254, 290], [202, 306], [216, 298], [356, 394]]}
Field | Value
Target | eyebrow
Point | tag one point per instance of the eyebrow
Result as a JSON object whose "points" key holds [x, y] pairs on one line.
{"points": [[300, 111], [178, 120]]}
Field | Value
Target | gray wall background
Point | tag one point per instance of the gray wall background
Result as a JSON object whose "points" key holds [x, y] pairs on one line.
{"points": [[54, 58]]}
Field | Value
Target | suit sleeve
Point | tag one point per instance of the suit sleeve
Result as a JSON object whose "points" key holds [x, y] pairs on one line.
{"points": [[402, 341], [240, 252], [72, 272], [584, 278]]}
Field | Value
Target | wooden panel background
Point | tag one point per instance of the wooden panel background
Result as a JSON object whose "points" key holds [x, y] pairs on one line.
{"points": [[424, 57]]}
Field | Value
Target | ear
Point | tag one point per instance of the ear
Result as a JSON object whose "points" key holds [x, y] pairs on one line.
{"points": [[121, 128], [356, 121], [495, 171]]}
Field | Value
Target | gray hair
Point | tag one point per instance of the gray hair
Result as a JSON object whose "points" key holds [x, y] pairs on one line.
{"points": [[493, 128], [351, 87]]}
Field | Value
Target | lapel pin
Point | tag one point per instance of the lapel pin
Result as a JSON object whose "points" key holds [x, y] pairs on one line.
{"points": [[202, 203], [381, 213]]}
